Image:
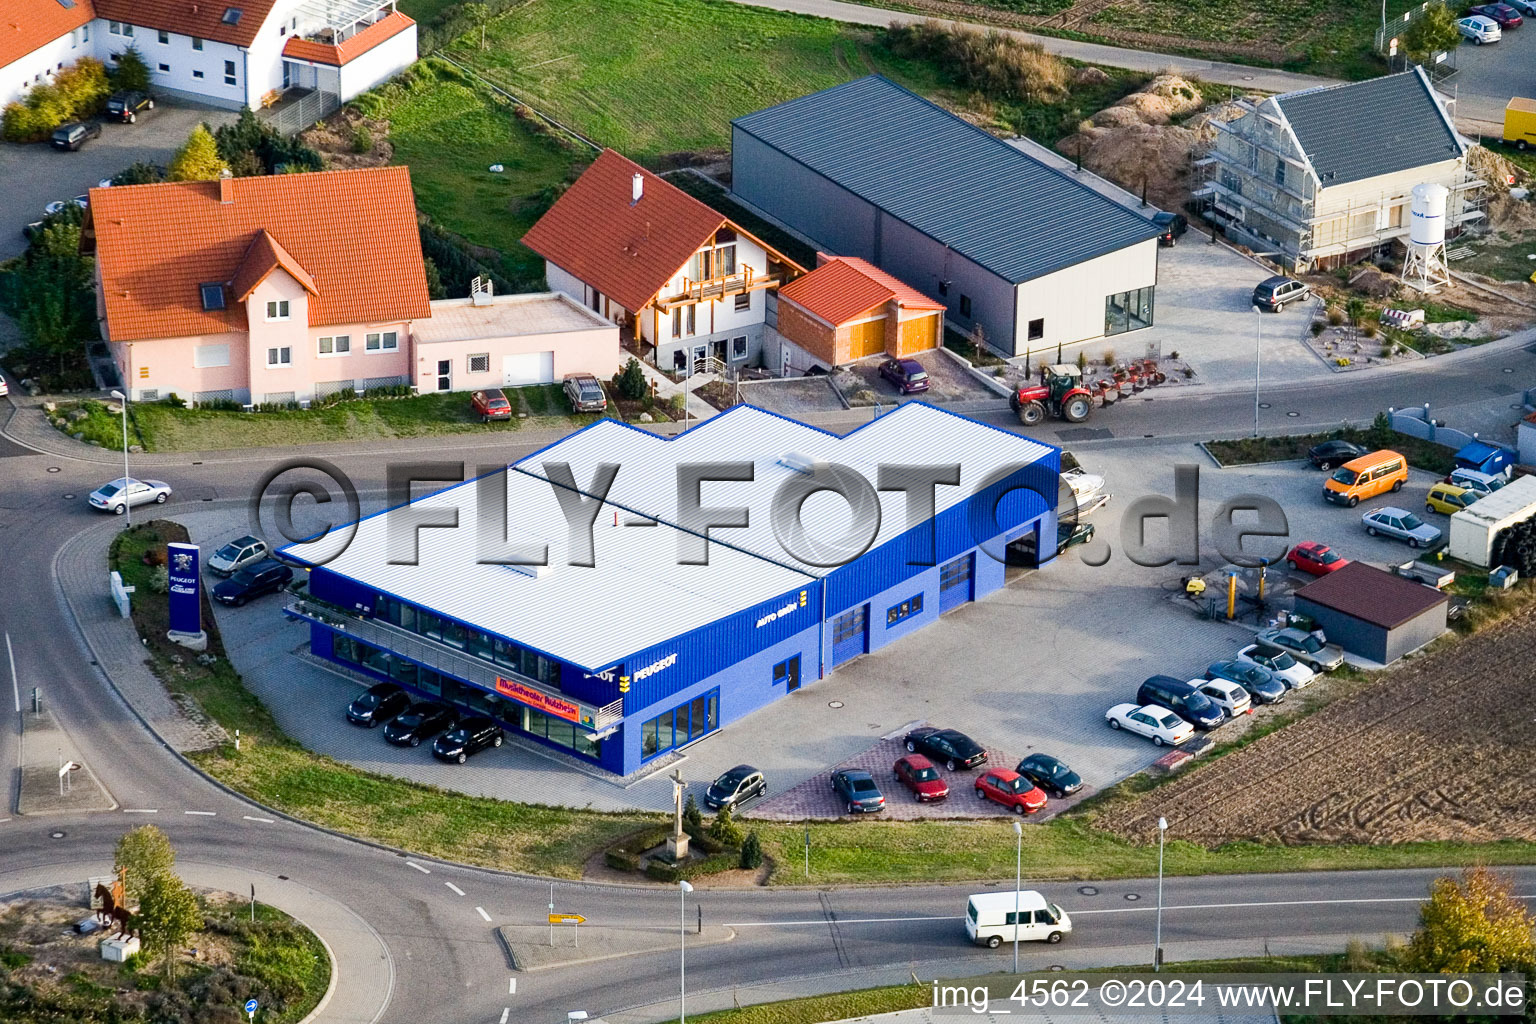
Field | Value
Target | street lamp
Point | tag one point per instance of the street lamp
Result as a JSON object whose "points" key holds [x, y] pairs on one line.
{"points": [[127, 508], [1018, 878], [1258, 356], [1157, 951], [683, 889]]}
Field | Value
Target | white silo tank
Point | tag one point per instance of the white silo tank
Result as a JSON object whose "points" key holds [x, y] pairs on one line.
{"points": [[1427, 212]]}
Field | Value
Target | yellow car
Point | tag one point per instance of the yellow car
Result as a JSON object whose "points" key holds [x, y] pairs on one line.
{"points": [[1449, 498]]}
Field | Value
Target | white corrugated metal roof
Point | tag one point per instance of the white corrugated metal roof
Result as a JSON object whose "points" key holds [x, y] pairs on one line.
{"points": [[1513, 499], [637, 594]]}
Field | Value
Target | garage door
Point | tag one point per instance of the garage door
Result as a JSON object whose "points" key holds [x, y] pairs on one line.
{"points": [[956, 585], [919, 334], [850, 635], [866, 339], [528, 368]]}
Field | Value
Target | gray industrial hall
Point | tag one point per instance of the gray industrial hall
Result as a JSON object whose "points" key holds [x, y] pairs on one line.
{"points": [[1372, 613]]}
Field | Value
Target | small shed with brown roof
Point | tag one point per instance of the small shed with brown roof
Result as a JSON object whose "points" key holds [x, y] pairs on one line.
{"points": [[847, 309], [1372, 613]]}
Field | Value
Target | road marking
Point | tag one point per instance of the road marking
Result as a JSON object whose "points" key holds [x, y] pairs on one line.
{"points": [[141, 810], [203, 814], [4, 820], [456, 890], [264, 821], [418, 867], [482, 913], [511, 986], [506, 1011], [15, 686]]}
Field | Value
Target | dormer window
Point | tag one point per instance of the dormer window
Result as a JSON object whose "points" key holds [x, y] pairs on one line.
{"points": [[232, 15], [213, 296], [277, 310]]}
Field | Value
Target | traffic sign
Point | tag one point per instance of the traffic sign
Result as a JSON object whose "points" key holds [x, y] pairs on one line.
{"points": [[250, 1007], [567, 919]]}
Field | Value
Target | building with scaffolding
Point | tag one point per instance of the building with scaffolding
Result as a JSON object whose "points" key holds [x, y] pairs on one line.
{"points": [[1323, 177]]}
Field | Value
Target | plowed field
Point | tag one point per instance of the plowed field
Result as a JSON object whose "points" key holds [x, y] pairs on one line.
{"points": [[1444, 748]]}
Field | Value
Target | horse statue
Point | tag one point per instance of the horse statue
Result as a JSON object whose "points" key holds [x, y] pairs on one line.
{"points": [[126, 922], [108, 904]]}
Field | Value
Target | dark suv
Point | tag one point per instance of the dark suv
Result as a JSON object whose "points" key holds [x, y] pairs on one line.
{"points": [[377, 705], [1278, 292], [1173, 224], [127, 106], [1183, 700], [73, 135]]}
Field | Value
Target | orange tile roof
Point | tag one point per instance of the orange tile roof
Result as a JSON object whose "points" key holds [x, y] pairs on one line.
{"points": [[351, 48], [626, 251], [352, 233], [201, 18], [264, 256], [26, 25], [845, 286]]}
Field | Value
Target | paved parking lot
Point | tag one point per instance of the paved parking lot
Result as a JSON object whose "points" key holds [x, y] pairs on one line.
{"points": [[1487, 76], [948, 381], [36, 175]]}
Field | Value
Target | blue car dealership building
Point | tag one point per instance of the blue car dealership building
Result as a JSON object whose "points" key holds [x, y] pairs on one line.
{"points": [[714, 575]]}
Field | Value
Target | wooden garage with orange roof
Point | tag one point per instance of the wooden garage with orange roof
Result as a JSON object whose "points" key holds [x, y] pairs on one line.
{"points": [[848, 309]]}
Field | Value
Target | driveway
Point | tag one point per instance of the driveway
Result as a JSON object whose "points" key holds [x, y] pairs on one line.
{"points": [[948, 381], [38, 174]]}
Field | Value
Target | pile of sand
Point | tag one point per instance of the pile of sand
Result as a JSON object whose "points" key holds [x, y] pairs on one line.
{"points": [[1372, 281]]}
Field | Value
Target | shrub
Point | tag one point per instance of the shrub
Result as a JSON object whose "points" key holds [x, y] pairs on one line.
{"points": [[175, 401], [630, 381], [160, 580], [198, 159], [725, 830], [691, 813], [362, 139], [1370, 330], [1335, 315], [1318, 327], [140, 173], [75, 92], [1082, 361], [751, 852], [678, 402], [993, 63], [1109, 357]]}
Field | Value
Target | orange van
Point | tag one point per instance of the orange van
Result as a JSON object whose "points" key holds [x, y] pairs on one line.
{"points": [[1366, 477]]}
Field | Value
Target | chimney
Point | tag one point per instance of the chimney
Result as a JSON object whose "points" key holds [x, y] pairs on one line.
{"points": [[226, 188], [636, 188]]}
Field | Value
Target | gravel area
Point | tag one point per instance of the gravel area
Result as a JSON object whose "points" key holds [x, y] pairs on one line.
{"points": [[948, 381]]}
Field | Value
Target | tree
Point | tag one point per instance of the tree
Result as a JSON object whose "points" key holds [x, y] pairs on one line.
{"points": [[479, 15], [751, 852], [724, 829], [131, 73], [631, 380], [146, 854], [691, 814], [168, 914], [1475, 925], [198, 160], [139, 173], [435, 289], [1432, 32]]}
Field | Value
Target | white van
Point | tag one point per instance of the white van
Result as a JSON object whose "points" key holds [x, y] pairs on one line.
{"points": [[989, 918], [1482, 484]]}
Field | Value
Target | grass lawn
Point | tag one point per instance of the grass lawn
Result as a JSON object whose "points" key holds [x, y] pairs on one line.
{"points": [[423, 11], [1427, 455], [1502, 256]]}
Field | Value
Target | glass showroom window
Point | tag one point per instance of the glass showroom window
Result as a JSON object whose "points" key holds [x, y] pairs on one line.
{"points": [[682, 724], [1128, 311]]}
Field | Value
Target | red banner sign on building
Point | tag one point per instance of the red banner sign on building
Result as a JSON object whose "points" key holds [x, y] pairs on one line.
{"points": [[538, 701]]}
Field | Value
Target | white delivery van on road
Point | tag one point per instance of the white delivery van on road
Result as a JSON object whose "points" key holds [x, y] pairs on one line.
{"points": [[989, 919]]}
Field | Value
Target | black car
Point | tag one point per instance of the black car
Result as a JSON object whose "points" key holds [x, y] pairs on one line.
{"points": [[470, 736], [1334, 453], [1050, 774], [377, 705], [735, 787], [1260, 683], [265, 577], [75, 134], [1173, 224], [421, 721], [857, 790], [127, 106], [948, 747], [1183, 700]]}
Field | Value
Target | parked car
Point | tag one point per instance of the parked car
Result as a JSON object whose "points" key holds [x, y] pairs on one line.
{"points": [[421, 721], [5, 388], [1335, 453], [857, 789], [1366, 477], [1400, 524], [1227, 695], [907, 375], [1483, 484], [126, 106], [919, 775], [1260, 683], [1525, 7], [1505, 16], [1318, 559], [1308, 648], [470, 736], [236, 555], [736, 786], [1173, 224], [1010, 789], [1158, 724], [1050, 774], [1480, 29], [73, 135], [585, 393], [377, 705], [264, 577], [1279, 663], [490, 404], [1182, 699], [992, 918], [1275, 293], [117, 496], [1449, 498], [949, 747], [83, 202], [1070, 534]]}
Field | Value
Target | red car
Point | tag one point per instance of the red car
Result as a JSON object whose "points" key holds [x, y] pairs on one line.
{"points": [[1505, 15], [1317, 559], [491, 404], [919, 775], [1010, 789]]}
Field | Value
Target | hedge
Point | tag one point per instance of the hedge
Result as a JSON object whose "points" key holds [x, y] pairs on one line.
{"points": [[75, 92]]}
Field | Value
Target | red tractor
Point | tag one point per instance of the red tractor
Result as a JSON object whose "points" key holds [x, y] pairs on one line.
{"points": [[1061, 391]]}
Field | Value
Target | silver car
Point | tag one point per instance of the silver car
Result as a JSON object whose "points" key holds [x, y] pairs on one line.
{"points": [[1307, 648], [117, 496], [236, 555], [1400, 524]]}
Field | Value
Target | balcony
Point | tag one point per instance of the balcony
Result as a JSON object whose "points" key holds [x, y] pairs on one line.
{"points": [[449, 660], [743, 279]]}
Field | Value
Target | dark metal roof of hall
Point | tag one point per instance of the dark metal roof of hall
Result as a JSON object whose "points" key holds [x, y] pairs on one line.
{"points": [[954, 182]]}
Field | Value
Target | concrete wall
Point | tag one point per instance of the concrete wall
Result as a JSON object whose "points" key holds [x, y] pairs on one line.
{"points": [[594, 351], [1071, 301]]}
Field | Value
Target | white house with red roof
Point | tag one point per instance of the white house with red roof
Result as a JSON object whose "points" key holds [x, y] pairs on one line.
{"points": [[228, 53]]}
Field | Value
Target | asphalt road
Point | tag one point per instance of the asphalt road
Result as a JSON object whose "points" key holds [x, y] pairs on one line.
{"points": [[447, 964]]}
